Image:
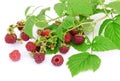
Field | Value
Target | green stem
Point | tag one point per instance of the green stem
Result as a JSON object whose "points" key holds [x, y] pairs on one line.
{"points": [[93, 35], [104, 8], [48, 17], [54, 19], [35, 9]]}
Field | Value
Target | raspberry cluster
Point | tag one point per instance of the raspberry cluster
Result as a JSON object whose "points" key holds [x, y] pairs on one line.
{"points": [[11, 36], [46, 40]]}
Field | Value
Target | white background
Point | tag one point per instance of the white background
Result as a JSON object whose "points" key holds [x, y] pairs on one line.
{"points": [[26, 69]]}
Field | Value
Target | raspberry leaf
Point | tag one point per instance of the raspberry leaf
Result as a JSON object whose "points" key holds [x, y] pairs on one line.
{"points": [[97, 1], [101, 43], [63, 1], [83, 62], [59, 8], [103, 25], [27, 9], [115, 6], [59, 32], [41, 19], [112, 32], [117, 19], [82, 47], [28, 28], [68, 23], [88, 27], [79, 7], [51, 27]]}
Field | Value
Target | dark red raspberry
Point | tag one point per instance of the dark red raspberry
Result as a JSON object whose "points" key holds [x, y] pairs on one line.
{"points": [[39, 57], [15, 55], [45, 32], [67, 38], [63, 49], [74, 31], [24, 36], [78, 39], [10, 38], [37, 48], [57, 60], [20, 28], [30, 46]]}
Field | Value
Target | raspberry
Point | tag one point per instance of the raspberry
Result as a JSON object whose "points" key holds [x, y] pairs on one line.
{"points": [[57, 60], [15, 55], [63, 49], [45, 32], [10, 38], [67, 38], [24, 36], [74, 31], [78, 39], [39, 57], [20, 28], [30, 46]]}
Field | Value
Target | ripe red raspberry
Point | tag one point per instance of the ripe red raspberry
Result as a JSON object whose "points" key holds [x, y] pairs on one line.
{"points": [[45, 32], [20, 28], [63, 49], [67, 38], [57, 60], [24, 36], [74, 31], [39, 57], [30, 46], [78, 39], [15, 55], [10, 38]]}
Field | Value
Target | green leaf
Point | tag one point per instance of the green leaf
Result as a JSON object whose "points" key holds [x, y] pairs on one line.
{"points": [[27, 9], [52, 26], [117, 19], [59, 9], [41, 19], [83, 62], [98, 1], [88, 27], [29, 24], [115, 5], [59, 32], [79, 7], [101, 11], [103, 25], [101, 43], [67, 23], [63, 1], [84, 46], [112, 32], [81, 17]]}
